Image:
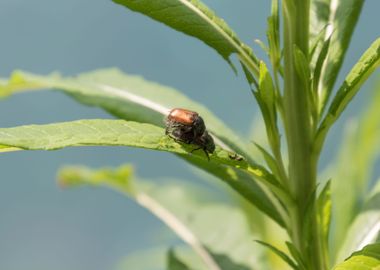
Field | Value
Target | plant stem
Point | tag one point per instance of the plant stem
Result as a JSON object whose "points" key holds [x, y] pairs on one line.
{"points": [[299, 130]]}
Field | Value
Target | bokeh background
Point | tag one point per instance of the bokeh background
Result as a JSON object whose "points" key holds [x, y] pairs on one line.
{"points": [[44, 227]]}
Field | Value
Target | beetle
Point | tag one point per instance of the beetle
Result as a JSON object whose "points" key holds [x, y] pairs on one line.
{"points": [[186, 122], [188, 127]]}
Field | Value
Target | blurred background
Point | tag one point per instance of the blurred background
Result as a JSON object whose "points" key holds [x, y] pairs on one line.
{"points": [[44, 227]]}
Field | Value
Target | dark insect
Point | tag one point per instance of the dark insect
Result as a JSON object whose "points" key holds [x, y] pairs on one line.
{"points": [[188, 127]]}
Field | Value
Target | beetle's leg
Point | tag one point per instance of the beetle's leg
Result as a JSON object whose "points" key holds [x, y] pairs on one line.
{"points": [[195, 149], [204, 150]]}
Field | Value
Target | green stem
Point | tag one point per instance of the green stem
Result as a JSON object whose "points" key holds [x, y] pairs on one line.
{"points": [[304, 230]]}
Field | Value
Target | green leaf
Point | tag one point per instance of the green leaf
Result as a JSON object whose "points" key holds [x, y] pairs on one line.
{"points": [[324, 211], [266, 88], [364, 230], [302, 66], [281, 254], [109, 133], [270, 160], [367, 64], [322, 58], [194, 18], [191, 211], [273, 36], [296, 256], [86, 132], [224, 261], [366, 259], [266, 98], [255, 192], [125, 96], [123, 133], [353, 168], [340, 17], [137, 259], [316, 44], [174, 263], [227, 264]]}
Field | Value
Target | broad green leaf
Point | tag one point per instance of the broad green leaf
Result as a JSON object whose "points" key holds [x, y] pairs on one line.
{"points": [[340, 17], [367, 64], [366, 259], [364, 230], [194, 18], [281, 254], [187, 209], [125, 96]]}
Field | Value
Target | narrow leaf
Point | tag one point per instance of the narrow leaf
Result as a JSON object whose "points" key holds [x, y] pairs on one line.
{"points": [[266, 88], [281, 254], [324, 211], [191, 211], [273, 35], [353, 169], [125, 96], [340, 17], [108, 133], [322, 57], [123, 133], [252, 191], [137, 259], [366, 259], [266, 98], [296, 256], [302, 66], [366, 65], [270, 160], [174, 263], [194, 18], [364, 230]]}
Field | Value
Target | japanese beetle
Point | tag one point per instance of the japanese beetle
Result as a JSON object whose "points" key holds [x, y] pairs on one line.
{"points": [[186, 122], [188, 127]]}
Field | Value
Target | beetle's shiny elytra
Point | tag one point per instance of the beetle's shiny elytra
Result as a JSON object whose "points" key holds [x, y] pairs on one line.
{"points": [[183, 116], [188, 127]]}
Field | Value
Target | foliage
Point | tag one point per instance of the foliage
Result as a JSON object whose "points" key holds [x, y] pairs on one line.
{"points": [[322, 222]]}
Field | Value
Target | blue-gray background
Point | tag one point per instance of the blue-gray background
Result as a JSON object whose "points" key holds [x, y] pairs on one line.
{"points": [[43, 227]]}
